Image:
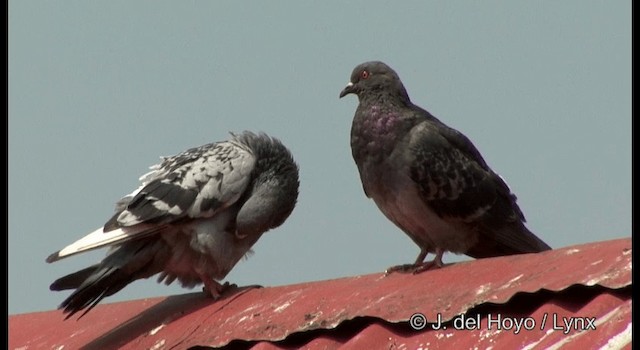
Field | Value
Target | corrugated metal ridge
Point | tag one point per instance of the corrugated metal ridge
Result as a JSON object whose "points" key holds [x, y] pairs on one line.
{"points": [[445, 292], [274, 313], [610, 312]]}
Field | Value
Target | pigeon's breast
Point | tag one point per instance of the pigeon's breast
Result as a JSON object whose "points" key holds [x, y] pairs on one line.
{"points": [[202, 247], [398, 198], [373, 133]]}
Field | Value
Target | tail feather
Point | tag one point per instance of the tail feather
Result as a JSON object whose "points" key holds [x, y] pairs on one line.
{"points": [[509, 240], [73, 280], [102, 283], [131, 261], [99, 238]]}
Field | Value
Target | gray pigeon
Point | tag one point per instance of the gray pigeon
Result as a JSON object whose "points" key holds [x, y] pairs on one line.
{"points": [[428, 178], [194, 217]]}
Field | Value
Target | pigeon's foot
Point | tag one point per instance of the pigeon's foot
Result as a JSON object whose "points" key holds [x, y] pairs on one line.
{"points": [[419, 265], [215, 289], [227, 287], [253, 286], [427, 265], [424, 266], [414, 268], [212, 288], [404, 268]]}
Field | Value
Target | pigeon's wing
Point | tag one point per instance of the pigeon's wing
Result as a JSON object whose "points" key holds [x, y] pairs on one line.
{"points": [[197, 183], [453, 181], [454, 137], [457, 185]]}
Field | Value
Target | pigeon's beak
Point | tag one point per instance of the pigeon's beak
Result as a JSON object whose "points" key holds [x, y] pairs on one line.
{"points": [[347, 90]]}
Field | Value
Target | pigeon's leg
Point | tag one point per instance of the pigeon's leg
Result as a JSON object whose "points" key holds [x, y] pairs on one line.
{"points": [[408, 267], [435, 263], [421, 256], [419, 265], [213, 288]]}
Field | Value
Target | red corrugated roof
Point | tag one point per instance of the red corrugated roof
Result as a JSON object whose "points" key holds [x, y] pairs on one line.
{"points": [[589, 285]]}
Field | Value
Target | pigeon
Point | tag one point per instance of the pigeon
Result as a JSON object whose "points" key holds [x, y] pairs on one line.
{"points": [[428, 178], [194, 217]]}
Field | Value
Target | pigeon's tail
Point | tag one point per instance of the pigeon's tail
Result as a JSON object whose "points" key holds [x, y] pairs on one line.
{"points": [[95, 283], [74, 280], [510, 239], [128, 263]]}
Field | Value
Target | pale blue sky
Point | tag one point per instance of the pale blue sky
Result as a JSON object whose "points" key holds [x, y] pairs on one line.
{"points": [[99, 90]]}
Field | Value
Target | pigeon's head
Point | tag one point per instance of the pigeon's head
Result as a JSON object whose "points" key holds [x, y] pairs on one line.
{"points": [[374, 77]]}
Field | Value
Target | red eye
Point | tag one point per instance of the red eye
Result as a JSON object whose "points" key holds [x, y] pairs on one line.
{"points": [[364, 74]]}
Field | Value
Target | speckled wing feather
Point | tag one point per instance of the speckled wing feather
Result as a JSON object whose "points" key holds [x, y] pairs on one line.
{"points": [[194, 184], [457, 185], [455, 182]]}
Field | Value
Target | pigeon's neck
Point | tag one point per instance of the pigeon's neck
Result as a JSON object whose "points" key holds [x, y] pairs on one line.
{"points": [[276, 163], [397, 97]]}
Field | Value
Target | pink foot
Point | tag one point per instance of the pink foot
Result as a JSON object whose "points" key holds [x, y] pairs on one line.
{"points": [[419, 265], [215, 289], [414, 268]]}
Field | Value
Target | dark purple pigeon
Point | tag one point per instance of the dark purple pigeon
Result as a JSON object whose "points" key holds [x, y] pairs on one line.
{"points": [[428, 178]]}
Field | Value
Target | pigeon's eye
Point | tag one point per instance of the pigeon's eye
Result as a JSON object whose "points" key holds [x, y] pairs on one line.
{"points": [[364, 74]]}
